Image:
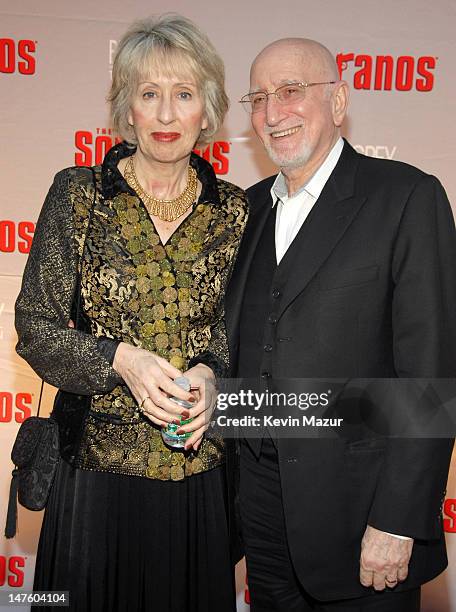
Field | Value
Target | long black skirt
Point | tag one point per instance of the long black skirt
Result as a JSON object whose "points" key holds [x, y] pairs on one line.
{"points": [[131, 544]]}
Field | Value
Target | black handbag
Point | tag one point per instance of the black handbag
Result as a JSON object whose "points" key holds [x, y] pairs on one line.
{"points": [[36, 450], [36, 455]]}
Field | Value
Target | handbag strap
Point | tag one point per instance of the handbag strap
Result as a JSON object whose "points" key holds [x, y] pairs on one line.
{"points": [[77, 289]]}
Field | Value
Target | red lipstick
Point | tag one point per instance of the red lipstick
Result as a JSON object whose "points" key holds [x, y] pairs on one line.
{"points": [[165, 136]]}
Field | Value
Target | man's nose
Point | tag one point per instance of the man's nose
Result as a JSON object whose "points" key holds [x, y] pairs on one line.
{"points": [[274, 110]]}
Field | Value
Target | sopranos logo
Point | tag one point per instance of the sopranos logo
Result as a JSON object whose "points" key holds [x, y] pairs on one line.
{"points": [[16, 236], [217, 153], [385, 72], [449, 514], [91, 147], [17, 56], [11, 572], [15, 406]]}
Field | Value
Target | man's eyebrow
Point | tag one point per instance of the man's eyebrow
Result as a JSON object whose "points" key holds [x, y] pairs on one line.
{"points": [[281, 83]]}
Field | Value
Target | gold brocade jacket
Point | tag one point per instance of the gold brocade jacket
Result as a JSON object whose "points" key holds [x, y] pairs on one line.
{"points": [[101, 247]]}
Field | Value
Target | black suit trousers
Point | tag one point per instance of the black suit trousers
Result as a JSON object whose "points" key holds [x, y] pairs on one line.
{"points": [[273, 583]]}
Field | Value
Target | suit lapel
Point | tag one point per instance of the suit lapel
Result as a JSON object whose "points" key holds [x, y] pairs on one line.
{"points": [[331, 216]]}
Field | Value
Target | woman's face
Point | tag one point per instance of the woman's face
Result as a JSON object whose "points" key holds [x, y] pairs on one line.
{"points": [[167, 116]]}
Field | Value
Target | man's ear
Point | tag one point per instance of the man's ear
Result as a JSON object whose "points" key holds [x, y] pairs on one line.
{"points": [[339, 102]]}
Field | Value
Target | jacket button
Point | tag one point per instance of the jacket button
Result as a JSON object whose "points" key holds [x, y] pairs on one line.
{"points": [[272, 319], [276, 293], [265, 374], [292, 460], [267, 348]]}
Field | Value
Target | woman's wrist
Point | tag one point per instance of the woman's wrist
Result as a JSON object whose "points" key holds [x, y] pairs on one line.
{"points": [[120, 357]]}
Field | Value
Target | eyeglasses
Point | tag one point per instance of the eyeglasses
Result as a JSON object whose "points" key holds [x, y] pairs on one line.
{"points": [[286, 94]]}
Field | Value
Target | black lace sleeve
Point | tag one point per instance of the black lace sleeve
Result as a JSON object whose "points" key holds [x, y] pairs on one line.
{"points": [[66, 358]]}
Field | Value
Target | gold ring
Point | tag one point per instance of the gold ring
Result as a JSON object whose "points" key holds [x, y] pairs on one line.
{"points": [[141, 406]]}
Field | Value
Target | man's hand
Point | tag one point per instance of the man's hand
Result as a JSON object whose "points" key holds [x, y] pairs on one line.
{"points": [[384, 559]]}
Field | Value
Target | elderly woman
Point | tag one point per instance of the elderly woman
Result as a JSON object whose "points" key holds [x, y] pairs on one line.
{"points": [[138, 253]]}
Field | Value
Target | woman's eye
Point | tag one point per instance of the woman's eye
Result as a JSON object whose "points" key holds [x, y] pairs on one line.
{"points": [[185, 95], [147, 95]]}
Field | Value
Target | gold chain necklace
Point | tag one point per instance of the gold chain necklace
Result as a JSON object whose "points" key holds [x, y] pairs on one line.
{"points": [[167, 210]]}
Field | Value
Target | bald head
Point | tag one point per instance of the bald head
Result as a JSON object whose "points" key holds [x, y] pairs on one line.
{"points": [[300, 105], [312, 55]]}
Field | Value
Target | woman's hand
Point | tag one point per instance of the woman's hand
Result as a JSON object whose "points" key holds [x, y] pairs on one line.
{"points": [[202, 381], [150, 379]]}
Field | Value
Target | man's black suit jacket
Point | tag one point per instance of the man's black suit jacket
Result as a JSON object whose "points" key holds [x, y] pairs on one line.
{"points": [[371, 294]]}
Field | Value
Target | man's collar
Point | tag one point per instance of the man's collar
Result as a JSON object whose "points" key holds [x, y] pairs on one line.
{"points": [[317, 181]]}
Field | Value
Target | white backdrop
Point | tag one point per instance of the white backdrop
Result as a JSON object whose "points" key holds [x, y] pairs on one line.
{"points": [[55, 61]]}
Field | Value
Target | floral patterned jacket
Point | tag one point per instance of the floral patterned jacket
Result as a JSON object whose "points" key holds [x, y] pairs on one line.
{"points": [[99, 246]]}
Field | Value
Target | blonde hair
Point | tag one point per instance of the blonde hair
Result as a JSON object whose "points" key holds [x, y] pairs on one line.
{"points": [[174, 44]]}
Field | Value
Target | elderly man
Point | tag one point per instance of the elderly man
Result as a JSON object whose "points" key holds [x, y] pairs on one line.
{"points": [[346, 270]]}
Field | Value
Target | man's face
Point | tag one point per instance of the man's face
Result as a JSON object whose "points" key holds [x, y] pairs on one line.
{"points": [[293, 134]]}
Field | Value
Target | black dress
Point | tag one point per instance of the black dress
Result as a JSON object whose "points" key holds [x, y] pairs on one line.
{"points": [[130, 544]]}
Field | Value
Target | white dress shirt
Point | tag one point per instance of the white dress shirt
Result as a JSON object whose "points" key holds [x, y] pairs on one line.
{"points": [[292, 211]]}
